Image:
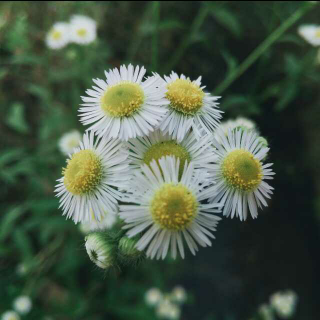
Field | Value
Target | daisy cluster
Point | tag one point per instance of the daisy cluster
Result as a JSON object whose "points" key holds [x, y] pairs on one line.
{"points": [[167, 305], [22, 305], [282, 305], [156, 158], [81, 30]]}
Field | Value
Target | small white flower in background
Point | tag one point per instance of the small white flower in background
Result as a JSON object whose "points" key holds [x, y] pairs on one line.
{"points": [[83, 30], [266, 312], [10, 315], [310, 33], [179, 294], [58, 36], [22, 304], [233, 124], [22, 269], [153, 297], [69, 141], [107, 221], [168, 310], [284, 303]]}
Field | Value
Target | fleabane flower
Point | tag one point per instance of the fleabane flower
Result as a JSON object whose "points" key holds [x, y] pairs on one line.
{"points": [[189, 107], [108, 219], [83, 30], [22, 304], [310, 33], [90, 180], [179, 294], [239, 122], [10, 315], [284, 303], [240, 173], [168, 310], [69, 141], [158, 144], [153, 296], [58, 36], [166, 208], [124, 106]]}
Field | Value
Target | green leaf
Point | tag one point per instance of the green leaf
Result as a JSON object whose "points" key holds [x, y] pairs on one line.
{"points": [[228, 20], [23, 243], [16, 119], [9, 219]]}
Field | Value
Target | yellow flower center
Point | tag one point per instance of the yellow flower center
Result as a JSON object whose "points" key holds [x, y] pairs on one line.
{"points": [[122, 99], [56, 35], [174, 207], [241, 170], [167, 148], [83, 172], [185, 96], [82, 32], [318, 33]]}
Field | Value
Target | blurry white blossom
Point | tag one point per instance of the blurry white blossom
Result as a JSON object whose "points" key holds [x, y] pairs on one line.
{"points": [[310, 33], [22, 304], [153, 296], [179, 294], [58, 36], [284, 303], [168, 310], [245, 123], [69, 141], [83, 30], [10, 315], [107, 221]]}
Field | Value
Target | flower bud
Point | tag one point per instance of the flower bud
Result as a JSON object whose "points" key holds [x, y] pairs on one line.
{"points": [[100, 249], [128, 253]]}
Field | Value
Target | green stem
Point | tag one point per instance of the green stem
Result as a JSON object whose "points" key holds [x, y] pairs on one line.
{"points": [[156, 9], [255, 54], [196, 25]]}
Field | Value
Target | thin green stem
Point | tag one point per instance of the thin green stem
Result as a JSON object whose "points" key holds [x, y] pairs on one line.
{"points": [[137, 39], [156, 13], [255, 54], [196, 25]]}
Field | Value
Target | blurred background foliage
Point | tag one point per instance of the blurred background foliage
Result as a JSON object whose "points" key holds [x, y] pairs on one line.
{"points": [[40, 93]]}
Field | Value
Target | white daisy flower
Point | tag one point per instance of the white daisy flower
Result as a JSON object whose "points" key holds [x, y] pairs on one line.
{"points": [[22, 304], [58, 36], [240, 173], [284, 303], [107, 222], [69, 141], [190, 107], [10, 315], [94, 171], [153, 296], [166, 206], [157, 145], [310, 33], [83, 30], [168, 310], [124, 106], [100, 250], [242, 122], [179, 294]]}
